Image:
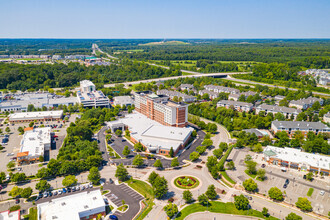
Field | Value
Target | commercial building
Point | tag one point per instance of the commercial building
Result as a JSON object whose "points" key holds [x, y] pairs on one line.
{"points": [[8, 215], [292, 126], [296, 159], [161, 109], [179, 95], [305, 103], [36, 116], [286, 111], [155, 137], [219, 89], [34, 144], [88, 96], [123, 100], [20, 102], [239, 106], [80, 206]]}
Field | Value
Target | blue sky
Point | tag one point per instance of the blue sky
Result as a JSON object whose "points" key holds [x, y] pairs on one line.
{"points": [[165, 19]]}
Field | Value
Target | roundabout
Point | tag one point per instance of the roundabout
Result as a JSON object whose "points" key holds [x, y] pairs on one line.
{"points": [[186, 182]]}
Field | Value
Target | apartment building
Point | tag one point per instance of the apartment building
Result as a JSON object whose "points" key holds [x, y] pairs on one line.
{"points": [[236, 96], [34, 144], [296, 159], [286, 111], [172, 94], [305, 103], [88, 96], [212, 95], [239, 106], [219, 89], [292, 126], [161, 109], [187, 87]]}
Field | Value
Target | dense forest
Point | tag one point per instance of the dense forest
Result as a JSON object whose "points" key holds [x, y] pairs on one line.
{"points": [[23, 77]]}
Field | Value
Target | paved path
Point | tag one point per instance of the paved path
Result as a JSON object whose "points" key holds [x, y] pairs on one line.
{"points": [[215, 216]]}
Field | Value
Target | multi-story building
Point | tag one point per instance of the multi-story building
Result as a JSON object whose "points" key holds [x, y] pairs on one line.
{"points": [[161, 109], [296, 159], [305, 103], [56, 57], [212, 95], [292, 126], [219, 89], [123, 100], [187, 87], [80, 206], [36, 116], [286, 111], [239, 106], [34, 144], [179, 95], [88, 96], [236, 96]]}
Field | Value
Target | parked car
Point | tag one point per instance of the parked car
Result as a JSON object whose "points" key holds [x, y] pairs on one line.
{"points": [[248, 197], [45, 195], [304, 177], [263, 165], [17, 201], [64, 190], [68, 190], [285, 185], [110, 180], [113, 217], [50, 194], [90, 185], [82, 187], [60, 192], [55, 193], [73, 189], [287, 181], [322, 192]]}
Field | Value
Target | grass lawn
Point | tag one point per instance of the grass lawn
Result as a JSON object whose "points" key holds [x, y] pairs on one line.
{"points": [[123, 208], [253, 176], [259, 179], [225, 175], [146, 190], [33, 214], [219, 207], [105, 192], [310, 191]]}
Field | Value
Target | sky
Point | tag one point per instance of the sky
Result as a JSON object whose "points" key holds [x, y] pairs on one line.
{"points": [[106, 19]]}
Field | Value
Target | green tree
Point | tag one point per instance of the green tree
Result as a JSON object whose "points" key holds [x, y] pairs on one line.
{"points": [[31, 124], [20, 130], [293, 216], [158, 164], [138, 147], [201, 149], [171, 209], [94, 175], [304, 204], [194, 156], [152, 177], [69, 180], [265, 211], [126, 151], [11, 164], [15, 191], [187, 196], [160, 187], [207, 143], [121, 173], [42, 186], [203, 200], [223, 146], [171, 153], [241, 202], [217, 153], [261, 174], [26, 192], [119, 132], [309, 176], [210, 192], [7, 129], [251, 166], [2, 177], [175, 162], [41, 158], [250, 185], [275, 193], [18, 177], [138, 160], [231, 165]]}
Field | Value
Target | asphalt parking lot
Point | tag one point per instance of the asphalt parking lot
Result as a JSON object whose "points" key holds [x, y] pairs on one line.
{"points": [[123, 192]]}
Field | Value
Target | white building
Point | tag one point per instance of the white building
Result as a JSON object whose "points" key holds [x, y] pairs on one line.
{"points": [[219, 89], [155, 137], [36, 116], [286, 111], [212, 95], [123, 100], [8, 215], [88, 96], [172, 94], [305, 103], [34, 144], [239, 106], [84, 205], [295, 158]]}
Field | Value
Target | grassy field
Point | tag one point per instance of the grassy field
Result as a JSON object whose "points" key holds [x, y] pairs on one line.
{"points": [[219, 207], [253, 176], [225, 175], [33, 214], [165, 43], [310, 191]]}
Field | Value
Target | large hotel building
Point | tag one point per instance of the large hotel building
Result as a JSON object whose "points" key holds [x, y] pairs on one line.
{"points": [[161, 109]]}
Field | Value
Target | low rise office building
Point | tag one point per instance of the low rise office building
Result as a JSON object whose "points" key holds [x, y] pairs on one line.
{"points": [[34, 144], [8, 215], [155, 137], [161, 109], [123, 100], [297, 159], [239, 106], [292, 126], [305, 103], [36, 116], [286, 111], [81, 206]]}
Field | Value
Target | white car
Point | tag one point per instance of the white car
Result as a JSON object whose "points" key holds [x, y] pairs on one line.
{"points": [[322, 193]]}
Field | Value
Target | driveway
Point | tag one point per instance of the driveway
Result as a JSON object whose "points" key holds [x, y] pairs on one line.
{"points": [[121, 192]]}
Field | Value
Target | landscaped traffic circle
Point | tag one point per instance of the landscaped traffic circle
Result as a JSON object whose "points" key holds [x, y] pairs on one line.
{"points": [[186, 182]]}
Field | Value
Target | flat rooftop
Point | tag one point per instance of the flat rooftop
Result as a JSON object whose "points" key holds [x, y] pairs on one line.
{"points": [[72, 206], [7, 215], [35, 115], [153, 134], [34, 141], [86, 83]]}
